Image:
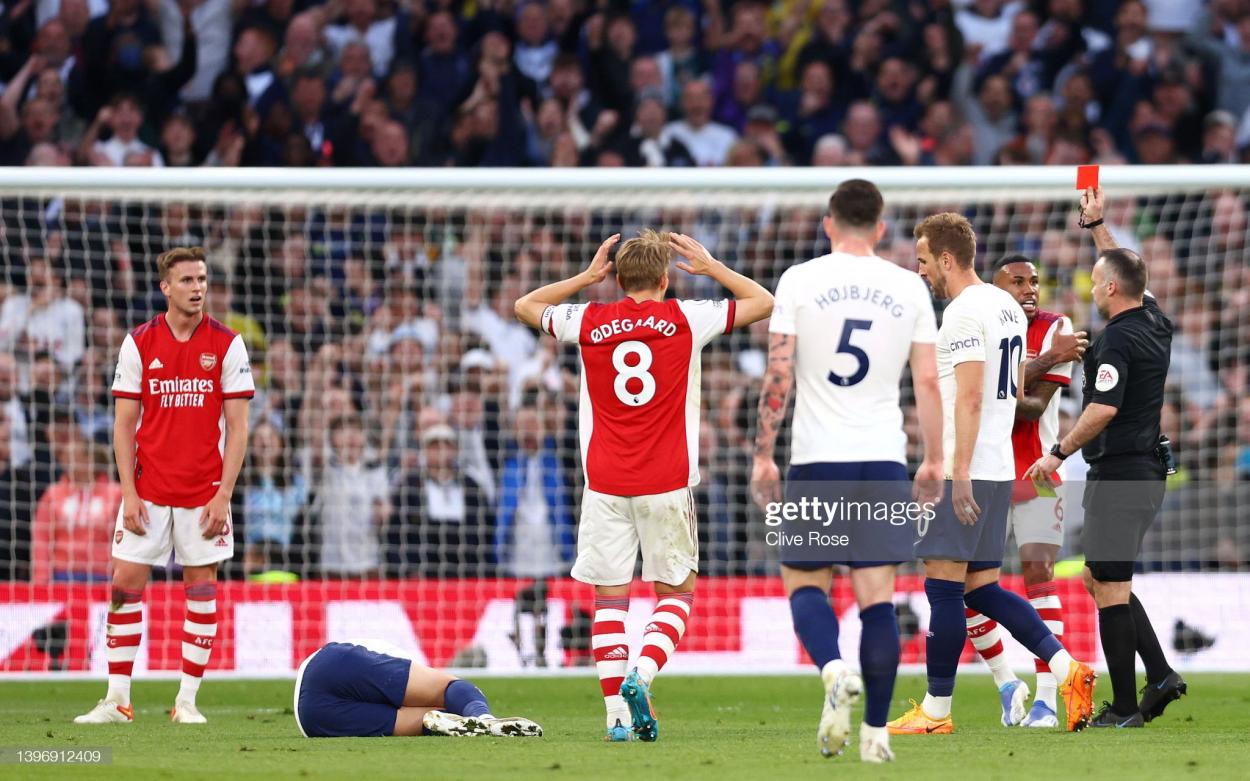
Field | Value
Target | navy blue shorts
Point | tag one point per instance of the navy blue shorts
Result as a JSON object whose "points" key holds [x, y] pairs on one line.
{"points": [[981, 544], [349, 691], [885, 545]]}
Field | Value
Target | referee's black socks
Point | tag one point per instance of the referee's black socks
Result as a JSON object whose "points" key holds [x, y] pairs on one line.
{"points": [[1118, 631], [1148, 648]]}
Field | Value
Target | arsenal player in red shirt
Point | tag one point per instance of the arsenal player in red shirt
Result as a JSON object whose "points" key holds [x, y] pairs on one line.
{"points": [[639, 426], [182, 388]]}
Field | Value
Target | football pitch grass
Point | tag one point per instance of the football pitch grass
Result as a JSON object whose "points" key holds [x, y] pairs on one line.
{"points": [[719, 728]]}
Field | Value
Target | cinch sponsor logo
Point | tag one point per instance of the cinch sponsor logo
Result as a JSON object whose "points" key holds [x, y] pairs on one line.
{"points": [[966, 344]]}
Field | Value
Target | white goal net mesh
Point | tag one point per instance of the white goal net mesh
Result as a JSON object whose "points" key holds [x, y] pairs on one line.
{"points": [[389, 311]]}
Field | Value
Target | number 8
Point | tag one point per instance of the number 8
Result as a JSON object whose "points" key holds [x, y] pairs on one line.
{"points": [[625, 373]]}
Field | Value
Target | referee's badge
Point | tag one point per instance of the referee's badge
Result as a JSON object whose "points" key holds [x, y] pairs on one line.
{"points": [[1108, 377]]}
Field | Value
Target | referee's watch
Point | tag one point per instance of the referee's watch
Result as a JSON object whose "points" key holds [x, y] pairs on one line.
{"points": [[1057, 453]]}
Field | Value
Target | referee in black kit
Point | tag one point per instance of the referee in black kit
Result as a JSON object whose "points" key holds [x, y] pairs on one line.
{"points": [[1119, 435]]}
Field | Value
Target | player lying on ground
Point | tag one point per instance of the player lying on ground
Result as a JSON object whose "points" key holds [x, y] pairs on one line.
{"points": [[369, 689], [640, 445], [185, 374], [1035, 517], [980, 354], [848, 428]]}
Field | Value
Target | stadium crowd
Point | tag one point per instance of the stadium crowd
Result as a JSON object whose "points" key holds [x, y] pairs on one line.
{"points": [[405, 423], [610, 82]]}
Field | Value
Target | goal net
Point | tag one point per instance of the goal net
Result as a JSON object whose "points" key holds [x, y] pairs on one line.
{"points": [[413, 471]]}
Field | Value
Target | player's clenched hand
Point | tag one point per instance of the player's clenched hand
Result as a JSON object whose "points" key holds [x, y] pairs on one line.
{"points": [[698, 260], [765, 482], [135, 515], [599, 264], [214, 516], [963, 503], [927, 488], [1070, 347], [1091, 204]]}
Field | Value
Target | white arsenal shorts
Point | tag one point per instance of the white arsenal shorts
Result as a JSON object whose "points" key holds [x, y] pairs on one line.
{"points": [[172, 528], [1039, 520], [614, 528]]}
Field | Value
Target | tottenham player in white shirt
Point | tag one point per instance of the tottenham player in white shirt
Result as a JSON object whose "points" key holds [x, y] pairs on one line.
{"points": [[980, 357], [848, 429]]}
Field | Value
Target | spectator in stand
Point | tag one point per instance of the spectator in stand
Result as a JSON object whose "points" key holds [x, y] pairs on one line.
{"points": [[352, 504], [1020, 63], [862, 130], [43, 318], [707, 141], [445, 68], [274, 495], [361, 24], [895, 94], [812, 112], [17, 430], [990, 112], [1229, 46], [24, 128], [1219, 138], [986, 24], [534, 536], [536, 50], [747, 91], [682, 61], [72, 538], [253, 56], [113, 54], [16, 497], [648, 145], [124, 117], [746, 41], [442, 522]]}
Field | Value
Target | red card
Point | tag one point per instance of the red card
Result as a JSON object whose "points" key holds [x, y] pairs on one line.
{"points": [[1086, 177]]}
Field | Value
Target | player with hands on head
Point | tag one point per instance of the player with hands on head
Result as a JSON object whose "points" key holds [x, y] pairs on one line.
{"points": [[639, 427]]}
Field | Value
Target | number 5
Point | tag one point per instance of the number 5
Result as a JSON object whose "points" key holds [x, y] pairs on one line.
{"points": [[845, 346]]}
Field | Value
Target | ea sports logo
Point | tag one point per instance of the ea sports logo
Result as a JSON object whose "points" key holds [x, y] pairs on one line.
{"points": [[1106, 378]]}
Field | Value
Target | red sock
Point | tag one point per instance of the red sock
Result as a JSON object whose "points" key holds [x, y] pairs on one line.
{"points": [[663, 633]]}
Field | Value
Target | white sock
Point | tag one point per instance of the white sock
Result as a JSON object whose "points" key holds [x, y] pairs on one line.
{"points": [[1059, 664], [1047, 689], [868, 732], [936, 707], [189, 688], [987, 639], [119, 690], [832, 668], [617, 710]]}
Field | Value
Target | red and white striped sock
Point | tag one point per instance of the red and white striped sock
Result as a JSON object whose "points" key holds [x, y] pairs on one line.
{"points": [[1044, 597], [663, 633], [198, 631], [123, 633], [611, 652], [987, 638]]}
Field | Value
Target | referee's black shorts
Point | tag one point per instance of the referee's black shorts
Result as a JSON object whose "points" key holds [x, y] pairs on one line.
{"points": [[1123, 495]]}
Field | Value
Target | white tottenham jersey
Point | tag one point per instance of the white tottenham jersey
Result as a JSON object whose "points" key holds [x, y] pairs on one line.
{"points": [[856, 319], [983, 323]]}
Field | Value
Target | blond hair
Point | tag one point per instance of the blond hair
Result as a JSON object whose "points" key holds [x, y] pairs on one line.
{"points": [[167, 260], [949, 232], [642, 261]]}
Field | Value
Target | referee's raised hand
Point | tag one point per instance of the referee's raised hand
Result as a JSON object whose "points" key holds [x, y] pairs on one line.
{"points": [[1091, 204]]}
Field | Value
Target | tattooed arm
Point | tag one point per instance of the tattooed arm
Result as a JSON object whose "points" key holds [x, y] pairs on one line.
{"points": [[774, 398]]}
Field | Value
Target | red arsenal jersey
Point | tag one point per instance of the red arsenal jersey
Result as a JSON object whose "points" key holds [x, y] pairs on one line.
{"points": [[182, 387], [639, 407], [1031, 438]]}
